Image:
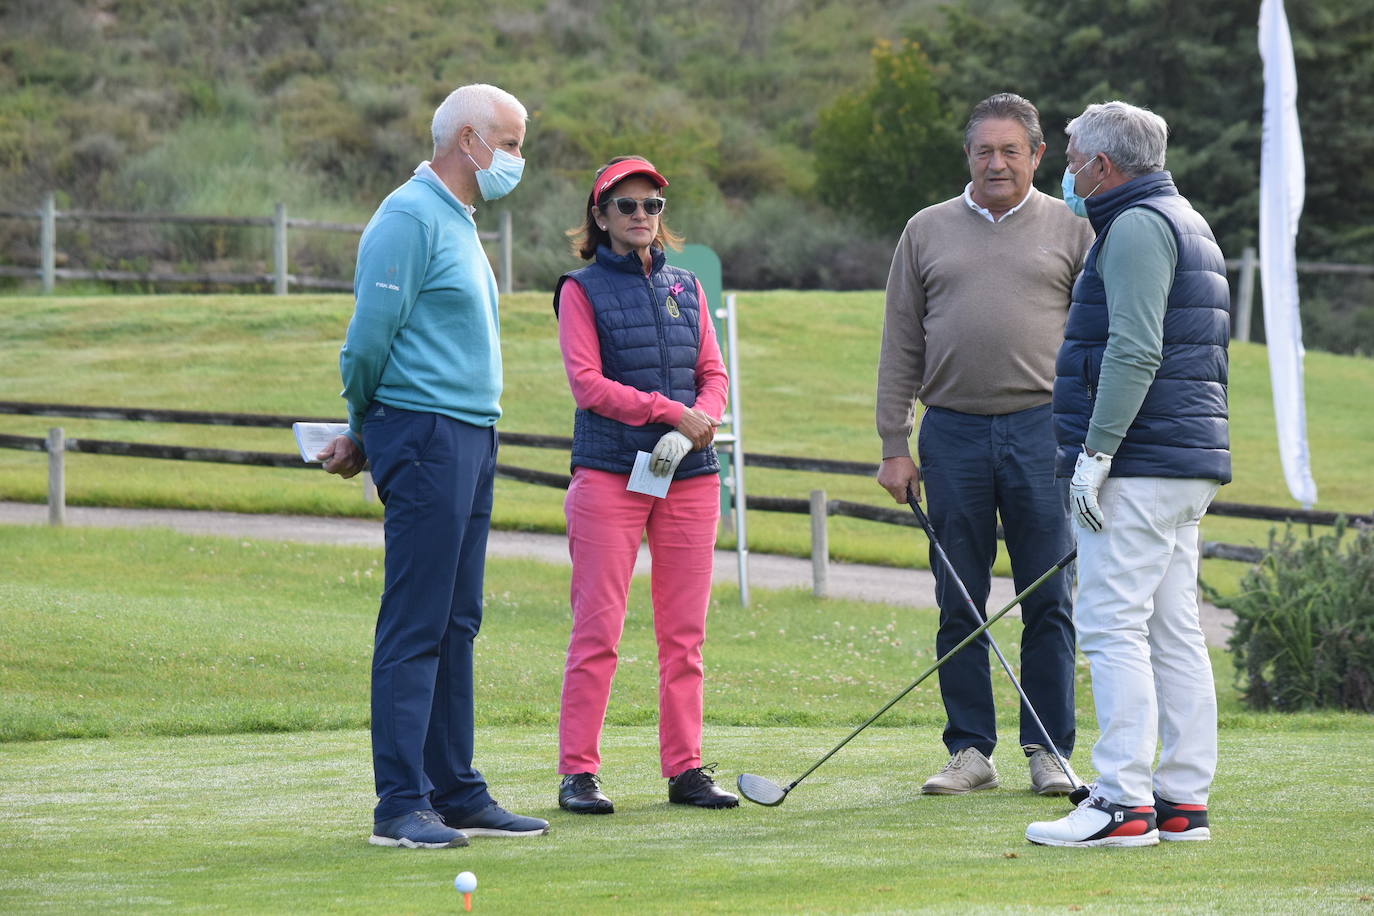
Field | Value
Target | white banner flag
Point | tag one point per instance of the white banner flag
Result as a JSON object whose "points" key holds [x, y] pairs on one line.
{"points": [[1282, 179]]}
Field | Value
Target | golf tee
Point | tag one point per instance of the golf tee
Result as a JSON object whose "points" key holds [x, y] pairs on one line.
{"points": [[467, 902]]}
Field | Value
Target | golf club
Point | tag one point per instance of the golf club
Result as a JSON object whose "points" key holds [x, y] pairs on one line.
{"points": [[968, 600], [765, 792]]}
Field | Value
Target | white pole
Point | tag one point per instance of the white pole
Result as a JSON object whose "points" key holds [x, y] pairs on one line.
{"points": [[737, 465], [57, 484], [47, 241], [1245, 294]]}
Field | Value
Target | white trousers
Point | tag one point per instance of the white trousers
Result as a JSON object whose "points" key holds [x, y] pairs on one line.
{"points": [[1137, 620]]}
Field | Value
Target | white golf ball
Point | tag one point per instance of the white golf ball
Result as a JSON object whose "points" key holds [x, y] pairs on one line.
{"points": [[465, 883]]}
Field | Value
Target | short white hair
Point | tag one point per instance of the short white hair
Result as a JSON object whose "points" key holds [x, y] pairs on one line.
{"points": [[1134, 139], [474, 104]]}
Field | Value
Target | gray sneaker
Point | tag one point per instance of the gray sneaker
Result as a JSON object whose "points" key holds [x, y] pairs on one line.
{"points": [[967, 771], [1047, 777]]}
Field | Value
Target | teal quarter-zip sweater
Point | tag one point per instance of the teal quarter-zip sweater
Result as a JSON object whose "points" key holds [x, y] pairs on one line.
{"points": [[425, 333]]}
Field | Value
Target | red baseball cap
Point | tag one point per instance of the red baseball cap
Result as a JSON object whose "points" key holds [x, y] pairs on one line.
{"points": [[619, 171]]}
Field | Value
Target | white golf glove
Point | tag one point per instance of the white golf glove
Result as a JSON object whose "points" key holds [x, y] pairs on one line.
{"points": [[671, 449], [1089, 473]]}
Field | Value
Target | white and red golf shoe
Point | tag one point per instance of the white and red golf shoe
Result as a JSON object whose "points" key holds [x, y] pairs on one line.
{"points": [[1098, 822]]}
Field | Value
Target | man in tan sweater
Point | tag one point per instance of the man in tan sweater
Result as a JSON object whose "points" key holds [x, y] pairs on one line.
{"points": [[976, 303]]}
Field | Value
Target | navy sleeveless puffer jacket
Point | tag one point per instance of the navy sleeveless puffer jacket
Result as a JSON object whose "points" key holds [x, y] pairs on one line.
{"points": [[650, 330], [1181, 428]]}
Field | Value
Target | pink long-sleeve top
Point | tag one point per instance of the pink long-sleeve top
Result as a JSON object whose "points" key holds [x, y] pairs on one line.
{"points": [[592, 390]]}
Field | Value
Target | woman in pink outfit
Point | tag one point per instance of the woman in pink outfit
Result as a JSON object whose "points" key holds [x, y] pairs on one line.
{"points": [[646, 375]]}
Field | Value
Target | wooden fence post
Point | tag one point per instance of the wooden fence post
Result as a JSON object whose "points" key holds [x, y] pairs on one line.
{"points": [[1245, 295], [57, 484], [279, 250], [820, 546], [507, 277], [47, 241]]}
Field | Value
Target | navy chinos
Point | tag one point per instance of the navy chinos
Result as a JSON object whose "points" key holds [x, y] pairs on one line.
{"points": [[974, 467], [434, 475]]}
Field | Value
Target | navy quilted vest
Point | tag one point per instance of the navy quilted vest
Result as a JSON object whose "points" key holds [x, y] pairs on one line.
{"points": [[1181, 428], [650, 330]]}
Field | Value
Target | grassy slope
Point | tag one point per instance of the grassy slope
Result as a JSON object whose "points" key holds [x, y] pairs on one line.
{"points": [[807, 376], [167, 641]]}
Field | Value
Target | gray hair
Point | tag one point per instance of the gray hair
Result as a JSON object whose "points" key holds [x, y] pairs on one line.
{"points": [[1132, 138], [473, 104], [1009, 106]]}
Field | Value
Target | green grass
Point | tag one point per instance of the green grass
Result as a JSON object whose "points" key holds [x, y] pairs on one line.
{"points": [[231, 679], [278, 823], [807, 376], [149, 632]]}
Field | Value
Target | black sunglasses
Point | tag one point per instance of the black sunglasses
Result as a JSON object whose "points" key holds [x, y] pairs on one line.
{"points": [[653, 206]]}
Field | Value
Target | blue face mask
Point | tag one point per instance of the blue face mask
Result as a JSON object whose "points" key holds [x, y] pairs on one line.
{"points": [[1079, 205], [501, 177]]}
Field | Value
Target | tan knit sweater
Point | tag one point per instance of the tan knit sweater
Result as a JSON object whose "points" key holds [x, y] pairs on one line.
{"points": [[975, 311]]}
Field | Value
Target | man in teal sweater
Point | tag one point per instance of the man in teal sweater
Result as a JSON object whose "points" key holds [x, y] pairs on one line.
{"points": [[421, 369]]}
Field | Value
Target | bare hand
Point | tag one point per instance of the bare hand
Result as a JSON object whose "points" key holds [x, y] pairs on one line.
{"points": [[896, 474], [342, 457], [698, 426]]}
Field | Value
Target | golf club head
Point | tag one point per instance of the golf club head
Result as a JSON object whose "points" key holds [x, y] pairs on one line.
{"points": [[760, 791]]}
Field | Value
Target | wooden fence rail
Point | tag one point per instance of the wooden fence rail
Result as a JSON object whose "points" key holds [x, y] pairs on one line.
{"points": [[818, 507], [48, 217]]}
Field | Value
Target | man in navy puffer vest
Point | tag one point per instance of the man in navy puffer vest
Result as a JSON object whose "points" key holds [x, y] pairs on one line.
{"points": [[1140, 416]]}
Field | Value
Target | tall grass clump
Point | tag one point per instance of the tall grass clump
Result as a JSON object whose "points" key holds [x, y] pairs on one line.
{"points": [[1304, 634]]}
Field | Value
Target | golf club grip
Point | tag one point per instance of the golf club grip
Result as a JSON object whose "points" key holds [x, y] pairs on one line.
{"points": [[935, 666]]}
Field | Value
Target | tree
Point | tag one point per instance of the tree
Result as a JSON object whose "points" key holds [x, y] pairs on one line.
{"points": [[1198, 66], [892, 147]]}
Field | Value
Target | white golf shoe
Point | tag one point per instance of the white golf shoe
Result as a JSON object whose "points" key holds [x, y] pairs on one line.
{"points": [[967, 771], [1098, 822]]}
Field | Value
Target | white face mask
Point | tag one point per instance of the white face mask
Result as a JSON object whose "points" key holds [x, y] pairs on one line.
{"points": [[501, 177]]}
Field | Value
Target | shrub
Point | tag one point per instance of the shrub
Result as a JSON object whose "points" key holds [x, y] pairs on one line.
{"points": [[1304, 634]]}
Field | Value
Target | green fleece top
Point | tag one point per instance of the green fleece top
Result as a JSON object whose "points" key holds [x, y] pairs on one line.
{"points": [[1136, 261], [425, 333]]}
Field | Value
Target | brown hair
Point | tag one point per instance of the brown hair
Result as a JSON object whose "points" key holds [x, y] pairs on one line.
{"points": [[588, 236]]}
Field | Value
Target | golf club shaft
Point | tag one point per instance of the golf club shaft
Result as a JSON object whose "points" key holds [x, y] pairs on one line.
{"points": [[968, 600], [1068, 558]]}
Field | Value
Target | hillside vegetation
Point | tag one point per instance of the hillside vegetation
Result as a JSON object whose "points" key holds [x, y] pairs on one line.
{"points": [[761, 112]]}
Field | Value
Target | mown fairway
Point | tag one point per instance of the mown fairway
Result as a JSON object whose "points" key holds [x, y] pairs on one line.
{"points": [[183, 725], [808, 364], [231, 680]]}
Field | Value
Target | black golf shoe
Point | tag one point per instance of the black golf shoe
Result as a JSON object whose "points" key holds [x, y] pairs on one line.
{"points": [[696, 787], [581, 793], [1181, 822]]}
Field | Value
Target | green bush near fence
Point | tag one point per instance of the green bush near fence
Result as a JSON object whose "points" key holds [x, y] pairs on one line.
{"points": [[1304, 634]]}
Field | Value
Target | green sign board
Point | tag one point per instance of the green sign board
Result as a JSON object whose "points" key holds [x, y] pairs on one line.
{"points": [[705, 263]]}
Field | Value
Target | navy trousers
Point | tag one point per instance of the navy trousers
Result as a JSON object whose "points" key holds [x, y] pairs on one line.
{"points": [[974, 467], [434, 475]]}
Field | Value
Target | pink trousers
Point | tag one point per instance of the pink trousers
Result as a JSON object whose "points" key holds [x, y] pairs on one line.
{"points": [[605, 525]]}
